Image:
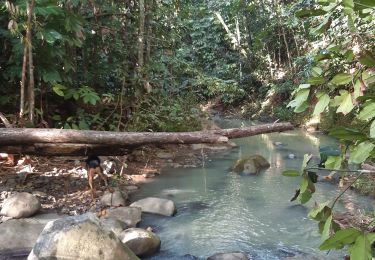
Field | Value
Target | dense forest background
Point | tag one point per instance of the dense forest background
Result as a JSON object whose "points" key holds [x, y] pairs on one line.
{"points": [[147, 65]]}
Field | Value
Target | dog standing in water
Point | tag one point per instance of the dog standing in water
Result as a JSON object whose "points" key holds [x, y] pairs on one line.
{"points": [[93, 167]]}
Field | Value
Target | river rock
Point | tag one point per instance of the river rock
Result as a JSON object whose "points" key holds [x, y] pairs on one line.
{"points": [[229, 256], [131, 188], [141, 242], [291, 156], [114, 225], [20, 205], [79, 237], [131, 216], [159, 206], [250, 165], [19, 235], [113, 199]]}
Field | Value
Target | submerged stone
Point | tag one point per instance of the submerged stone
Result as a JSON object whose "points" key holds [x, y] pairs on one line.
{"points": [[250, 165]]}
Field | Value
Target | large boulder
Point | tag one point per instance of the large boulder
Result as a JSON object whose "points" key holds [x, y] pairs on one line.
{"points": [[141, 242], [18, 236], [114, 225], [131, 216], [229, 256], [79, 237], [153, 205], [20, 205], [114, 199], [250, 165]]}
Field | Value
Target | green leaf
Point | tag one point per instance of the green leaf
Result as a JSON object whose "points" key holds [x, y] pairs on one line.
{"points": [[309, 13], [361, 152], [290, 173], [348, 3], [317, 209], [347, 134], [51, 76], [302, 107], [300, 97], [367, 59], [351, 25], [368, 111], [304, 184], [341, 79], [59, 89], [326, 228], [365, 3], [306, 159], [316, 71], [323, 101], [333, 162], [340, 239], [344, 101], [372, 129], [361, 249], [316, 80], [304, 197]]}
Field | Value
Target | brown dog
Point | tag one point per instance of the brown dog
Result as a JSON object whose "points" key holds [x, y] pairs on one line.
{"points": [[93, 167]]}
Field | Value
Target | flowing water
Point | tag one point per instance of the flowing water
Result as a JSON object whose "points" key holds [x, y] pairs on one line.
{"points": [[219, 211]]}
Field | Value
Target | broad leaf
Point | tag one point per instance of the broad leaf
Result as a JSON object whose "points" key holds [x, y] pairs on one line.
{"points": [[372, 129], [333, 162], [340, 239], [361, 249], [344, 101], [318, 208], [326, 229], [290, 173], [341, 79], [361, 152], [367, 59], [59, 89], [368, 112], [304, 197], [323, 101], [300, 97], [347, 134], [316, 80]]}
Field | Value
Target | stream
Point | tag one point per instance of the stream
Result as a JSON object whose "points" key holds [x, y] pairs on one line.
{"points": [[219, 211]]}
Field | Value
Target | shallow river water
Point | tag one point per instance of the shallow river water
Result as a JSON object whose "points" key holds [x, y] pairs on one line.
{"points": [[219, 211]]}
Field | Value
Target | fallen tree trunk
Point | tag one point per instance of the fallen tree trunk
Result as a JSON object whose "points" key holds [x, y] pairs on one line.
{"points": [[81, 142]]}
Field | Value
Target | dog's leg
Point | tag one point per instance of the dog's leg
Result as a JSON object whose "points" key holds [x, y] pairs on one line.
{"points": [[91, 173], [102, 175]]}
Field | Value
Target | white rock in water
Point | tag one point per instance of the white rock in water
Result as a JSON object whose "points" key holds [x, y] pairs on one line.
{"points": [[156, 205], [278, 143], [291, 156], [141, 242]]}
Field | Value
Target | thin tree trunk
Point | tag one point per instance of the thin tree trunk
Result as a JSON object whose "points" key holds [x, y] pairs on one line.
{"points": [[23, 78], [287, 48], [31, 96], [295, 42], [141, 33], [150, 9]]}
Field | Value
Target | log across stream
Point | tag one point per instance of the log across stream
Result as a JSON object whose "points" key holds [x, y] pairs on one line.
{"points": [[82, 142]]}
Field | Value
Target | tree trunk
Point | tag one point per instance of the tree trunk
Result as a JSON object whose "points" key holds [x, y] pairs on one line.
{"points": [[31, 96], [64, 142], [141, 32], [287, 48], [23, 78]]}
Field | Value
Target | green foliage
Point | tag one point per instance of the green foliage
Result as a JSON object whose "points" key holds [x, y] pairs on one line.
{"points": [[339, 81], [165, 113]]}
